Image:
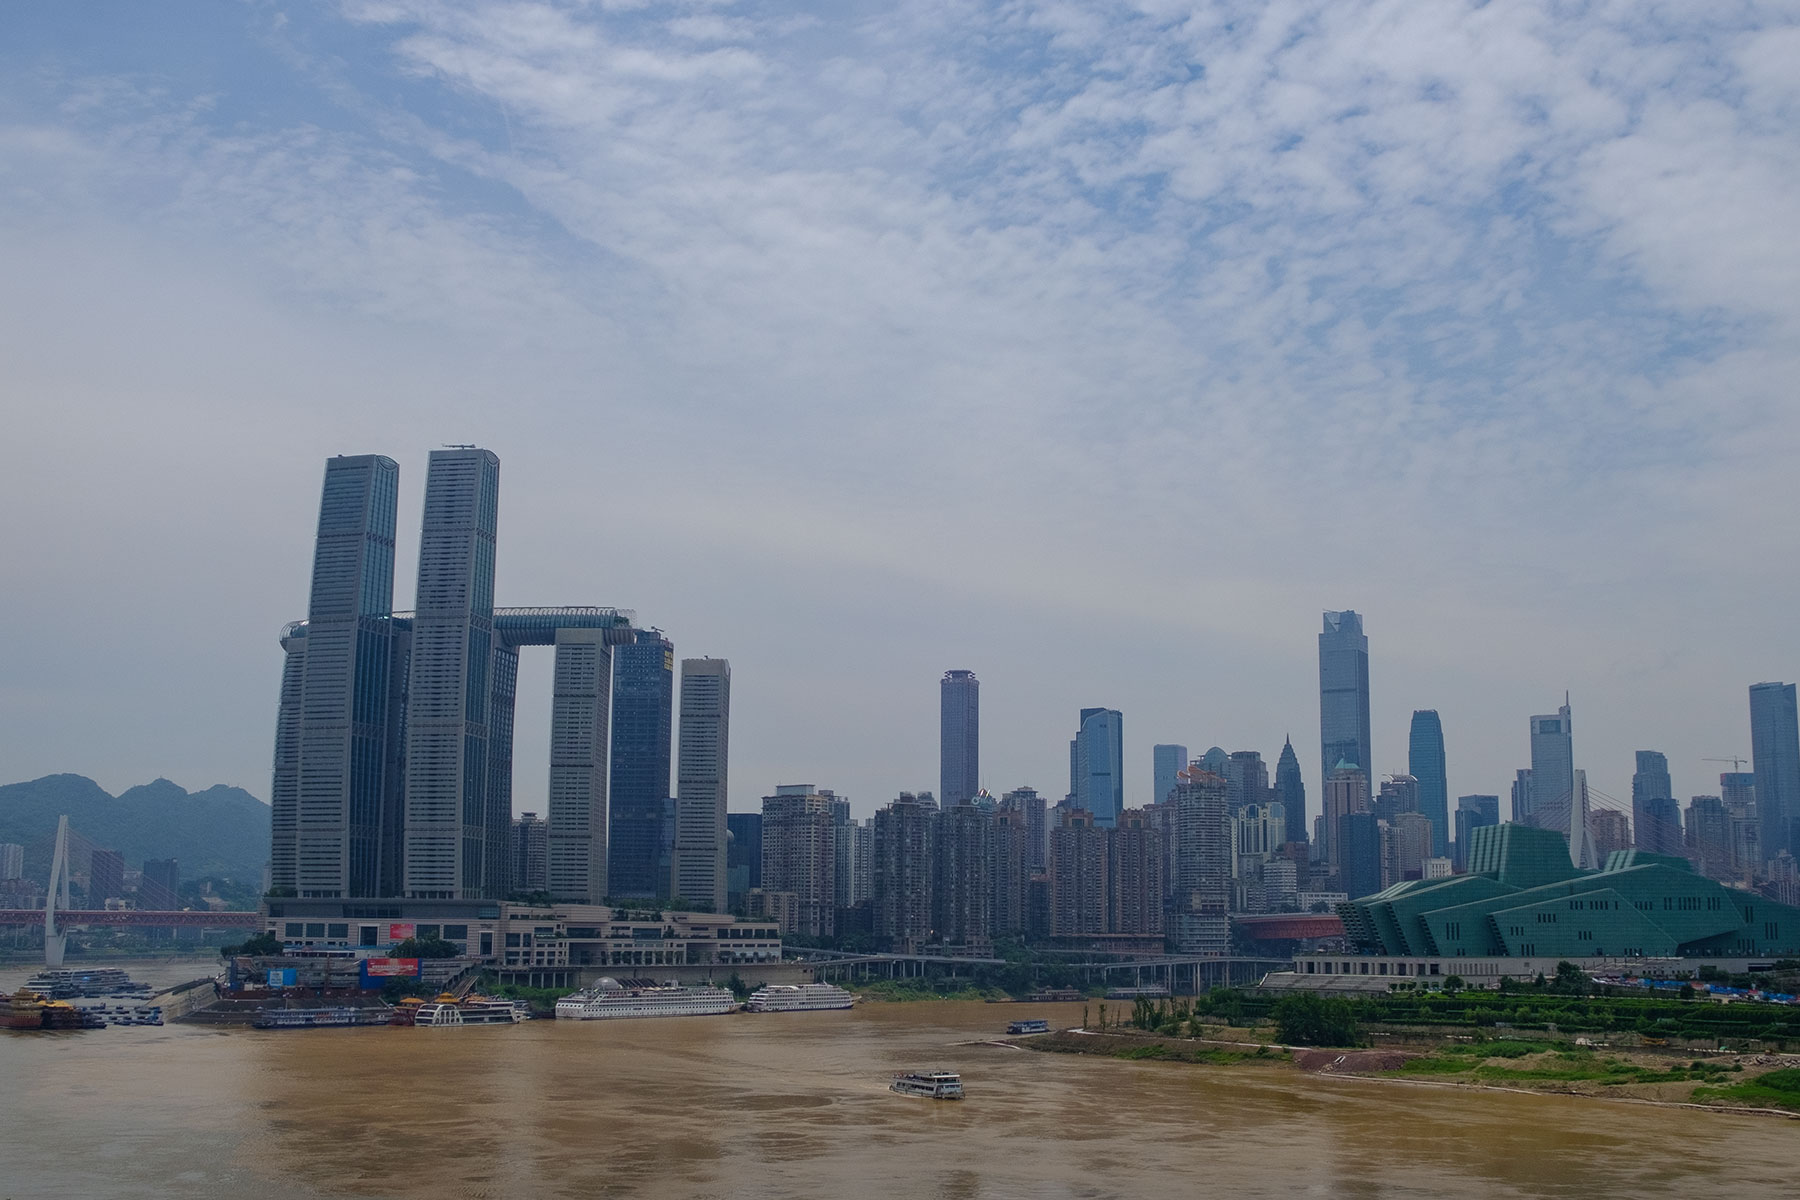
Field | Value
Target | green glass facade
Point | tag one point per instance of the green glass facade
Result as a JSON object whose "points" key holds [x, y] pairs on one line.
{"points": [[1523, 899]]}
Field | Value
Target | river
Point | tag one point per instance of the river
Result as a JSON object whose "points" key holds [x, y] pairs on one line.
{"points": [[786, 1105]]}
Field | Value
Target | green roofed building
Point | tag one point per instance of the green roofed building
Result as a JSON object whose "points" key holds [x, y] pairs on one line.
{"points": [[1523, 899]]}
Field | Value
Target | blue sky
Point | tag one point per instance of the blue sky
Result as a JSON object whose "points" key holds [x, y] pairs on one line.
{"points": [[1097, 348]]}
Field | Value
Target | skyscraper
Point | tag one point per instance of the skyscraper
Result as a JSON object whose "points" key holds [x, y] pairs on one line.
{"points": [[1097, 765], [1521, 797], [1027, 801], [1425, 762], [1655, 816], [335, 787], [1166, 761], [1346, 794], [1344, 695], [963, 873], [449, 826], [743, 856], [1775, 756], [581, 701], [1012, 871], [799, 850], [1290, 791], [902, 889], [1552, 771], [530, 854], [643, 700], [697, 870], [1473, 812], [1200, 892], [1079, 877], [1246, 779], [959, 737], [1134, 870]]}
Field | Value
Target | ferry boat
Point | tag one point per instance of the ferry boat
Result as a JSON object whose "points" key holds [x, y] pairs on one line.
{"points": [[1028, 1026], [322, 1018], [28, 1009], [446, 1011], [641, 998], [798, 997], [932, 1085], [69, 983]]}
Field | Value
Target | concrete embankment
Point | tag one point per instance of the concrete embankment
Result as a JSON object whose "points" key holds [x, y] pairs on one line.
{"points": [[185, 998]]}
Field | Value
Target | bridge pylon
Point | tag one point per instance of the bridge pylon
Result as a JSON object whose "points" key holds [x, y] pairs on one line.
{"points": [[56, 896]]}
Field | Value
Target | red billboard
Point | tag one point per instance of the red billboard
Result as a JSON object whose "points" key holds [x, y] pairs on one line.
{"points": [[391, 968], [399, 933]]}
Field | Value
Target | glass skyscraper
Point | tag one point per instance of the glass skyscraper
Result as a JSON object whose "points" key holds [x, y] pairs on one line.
{"points": [[1290, 790], [1552, 793], [1655, 816], [1425, 763], [959, 738], [1775, 756], [1344, 696], [1097, 765], [643, 701], [697, 867], [1166, 761]]}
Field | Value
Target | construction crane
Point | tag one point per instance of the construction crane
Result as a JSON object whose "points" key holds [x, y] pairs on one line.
{"points": [[1736, 763]]}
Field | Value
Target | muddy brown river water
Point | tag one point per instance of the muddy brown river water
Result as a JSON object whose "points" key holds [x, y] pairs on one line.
{"points": [[785, 1105]]}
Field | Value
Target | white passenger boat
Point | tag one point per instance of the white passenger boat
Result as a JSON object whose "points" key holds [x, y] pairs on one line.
{"points": [[932, 1085], [476, 1010], [798, 997], [609, 998]]}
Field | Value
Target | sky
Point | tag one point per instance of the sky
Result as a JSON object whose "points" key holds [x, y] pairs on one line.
{"points": [[1097, 348]]}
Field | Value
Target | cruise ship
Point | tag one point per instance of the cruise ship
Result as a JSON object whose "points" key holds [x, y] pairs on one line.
{"points": [[322, 1018], [798, 997], [931, 1085], [641, 998], [447, 1011]]}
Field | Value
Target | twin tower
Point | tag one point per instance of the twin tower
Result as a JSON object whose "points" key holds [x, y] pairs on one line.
{"points": [[393, 743]]}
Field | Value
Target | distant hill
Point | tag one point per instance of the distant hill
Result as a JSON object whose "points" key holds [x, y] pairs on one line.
{"points": [[222, 831]]}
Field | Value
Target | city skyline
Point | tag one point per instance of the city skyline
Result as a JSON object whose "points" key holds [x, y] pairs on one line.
{"points": [[243, 245]]}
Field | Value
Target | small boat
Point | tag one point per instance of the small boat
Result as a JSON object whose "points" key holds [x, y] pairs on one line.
{"points": [[321, 1018], [931, 1085], [1028, 1026], [801, 997]]}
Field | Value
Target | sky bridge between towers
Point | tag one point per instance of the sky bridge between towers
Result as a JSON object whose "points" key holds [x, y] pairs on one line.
{"points": [[534, 626]]}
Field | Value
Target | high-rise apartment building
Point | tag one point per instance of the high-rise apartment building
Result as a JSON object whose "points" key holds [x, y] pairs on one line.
{"points": [[963, 875], [1135, 884], [1290, 791], [1775, 757], [1097, 765], [1655, 815], [530, 854], [1407, 847], [959, 737], [1166, 761], [457, 841], [1709, 836], [1200, 892], [1012, 872], [1552, 795], [1425, 762], [1079, 881], [903, 888], [1611, 830], [1026, 801], [799, 852], [643, 705], [697, 867], [335, 785], [576, 846], [1737, 789], [12, 861], [1346, 794], [1344, 695]]}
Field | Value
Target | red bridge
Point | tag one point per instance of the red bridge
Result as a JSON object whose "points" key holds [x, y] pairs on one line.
{"points": [[183, 918], [1276, 926]]}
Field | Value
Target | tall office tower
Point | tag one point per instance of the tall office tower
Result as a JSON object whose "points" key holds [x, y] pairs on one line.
{"points": [[799, 851], [1775, 756], [1655, 816], [1738, 790], [1521, 796], [903, 883], [1200, 892], [1012, 873], [1552, 795], [160, 887], [449, 824], [743, 857], [1215, 762], [1135, 885], [1026, 800], [1290, 791], [959, 737], [1078, 875], [1165, 762], [1246, 779], [1359, 836], [580, 733], [963, 847], [1611, 831], [530, 854], [1344, 695], [1709, 836], [332, 789], [643, 705], [1425, 762], [697, 867], [106, 877], [1097, 765], [1398, 794], [1408, 846], [12, 861], [1472, 812], [1346, 793]]}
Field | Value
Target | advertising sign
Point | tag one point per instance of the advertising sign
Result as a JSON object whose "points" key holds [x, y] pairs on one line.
{"points": [[377, 971], [282, 976], [399, 933]]}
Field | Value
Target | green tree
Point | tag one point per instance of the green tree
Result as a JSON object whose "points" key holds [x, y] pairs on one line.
{"points": [[1454, 984], [426, 947], [262, 945], [1306, 1019]]}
